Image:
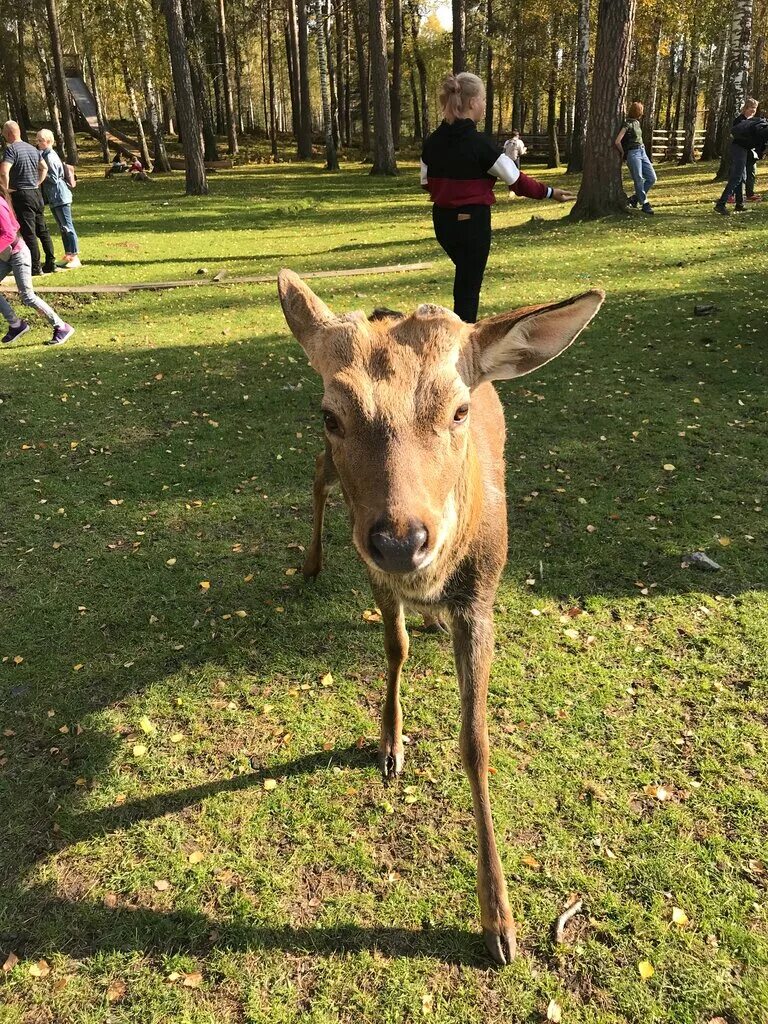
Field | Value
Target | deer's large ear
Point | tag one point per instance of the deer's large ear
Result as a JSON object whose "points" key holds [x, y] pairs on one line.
{"points": [[513, 344], [303, 310]]}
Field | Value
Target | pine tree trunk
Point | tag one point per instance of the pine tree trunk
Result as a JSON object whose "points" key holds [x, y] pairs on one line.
{"points": [[229, 106], [339, 35], [458, 35], [65, 113], [692, 98], [738, 77], [650, 106], [362, 71], [416, 111], [271, 78], [186, 110], [200, 83], [21, 69], [581, 110], [383, 146], [141, 34], [681, 76], [601, 191], [395, 92], [347, 77], [756, 84], [331, 159], [331, 72], [489, 84], [305, 110], [292, 60], [421, 67], [553, 154]]}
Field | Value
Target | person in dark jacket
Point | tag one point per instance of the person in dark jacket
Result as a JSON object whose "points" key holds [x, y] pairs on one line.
{"points": [[459, 168], [748, 110], [751, 133]]}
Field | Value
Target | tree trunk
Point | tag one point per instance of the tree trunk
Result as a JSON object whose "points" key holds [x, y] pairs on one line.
{"points": [[489, 86], [362, 71], [416, 111], [130, 91], [70, 143], [271, 79], [21, 68], [383, 146], [673, 140], [395, 91], [347, 78], [141, 34], [292, 60], [200, 83], [692, 98], [421, 67], [339, 34], [331, 159], [601, 191], [756, 85], [458, 35], [581, 110], [650, 106], [48, 86], [305, 110], [553, 149], [331, 72], [738, 77], [186, 110], [229, 106], [715, 101]]}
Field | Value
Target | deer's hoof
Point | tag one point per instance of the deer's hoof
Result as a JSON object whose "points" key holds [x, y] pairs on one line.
{"points": [[502, 945], [391, 763]]}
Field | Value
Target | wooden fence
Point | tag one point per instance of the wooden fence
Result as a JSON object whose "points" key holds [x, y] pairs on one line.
{"points": [[665, 146]]}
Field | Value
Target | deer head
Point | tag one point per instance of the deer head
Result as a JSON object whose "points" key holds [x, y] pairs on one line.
{"points": [[397, 407]]}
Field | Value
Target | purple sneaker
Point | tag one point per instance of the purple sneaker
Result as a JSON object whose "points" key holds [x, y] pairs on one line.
{"points": [[16, 332], [61, 334]]}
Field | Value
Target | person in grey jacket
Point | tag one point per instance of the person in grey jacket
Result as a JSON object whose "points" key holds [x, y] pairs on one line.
{"points": [[58, 195]]}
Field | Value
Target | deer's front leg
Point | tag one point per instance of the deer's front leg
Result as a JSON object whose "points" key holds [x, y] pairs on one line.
{"points": [[391, 755], [325, 478], [473, 650]]}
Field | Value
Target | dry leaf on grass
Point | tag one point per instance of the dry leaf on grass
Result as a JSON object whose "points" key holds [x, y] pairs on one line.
{"points": [[192, 980], [139, 750], [162, 884], [40, 970], [327, 680], [531, 862], [679, 917], [147, 725], [657, 792], [554, 1012], [10, 962], [115, 991], [196, 856], [270, 783]]}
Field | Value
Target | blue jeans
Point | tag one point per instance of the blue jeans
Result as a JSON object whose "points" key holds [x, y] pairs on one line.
{"points": [[63, 217], [738, 172], [643, 174], [21, 264]]}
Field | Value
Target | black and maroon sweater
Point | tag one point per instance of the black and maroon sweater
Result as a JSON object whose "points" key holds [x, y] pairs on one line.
{"points": [[460, 166]]}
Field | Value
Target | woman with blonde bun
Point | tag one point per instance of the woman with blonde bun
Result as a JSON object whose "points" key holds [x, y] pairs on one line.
{"points": [[459, 168]]}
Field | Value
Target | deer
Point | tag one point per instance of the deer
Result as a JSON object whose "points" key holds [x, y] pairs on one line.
{"points": [[414, 437]]}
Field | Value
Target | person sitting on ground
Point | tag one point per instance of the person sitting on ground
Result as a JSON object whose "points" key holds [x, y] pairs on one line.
{"points": [[749, 134], [515, 148], [748, 110], [117, 166], [15, 257], [58, 195], [629, 143], [137, 170], [22, 172]]}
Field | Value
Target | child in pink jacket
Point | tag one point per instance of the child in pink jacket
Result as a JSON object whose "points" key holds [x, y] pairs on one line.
{"points": [[15, 258]]}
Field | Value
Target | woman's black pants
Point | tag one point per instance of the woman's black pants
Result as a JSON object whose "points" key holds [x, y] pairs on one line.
{"points": [[465, 234]]}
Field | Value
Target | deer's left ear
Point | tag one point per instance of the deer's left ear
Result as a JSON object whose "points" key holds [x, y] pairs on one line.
{"points": [[513, 344]]}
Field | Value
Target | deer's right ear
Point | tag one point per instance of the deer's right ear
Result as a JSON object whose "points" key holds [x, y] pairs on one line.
{"points": [[303, 310]]}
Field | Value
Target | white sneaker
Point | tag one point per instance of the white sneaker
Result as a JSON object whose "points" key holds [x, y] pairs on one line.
{"points": [[70, 262]]}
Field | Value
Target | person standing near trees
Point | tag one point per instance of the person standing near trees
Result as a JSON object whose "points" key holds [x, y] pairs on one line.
{"points": [[749, 135], [750, 174], [629, 143], [22, 172], [459, 168], [58, 195]]}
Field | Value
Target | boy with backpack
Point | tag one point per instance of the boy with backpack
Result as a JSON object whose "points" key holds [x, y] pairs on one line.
{"points": [[747, 135]]}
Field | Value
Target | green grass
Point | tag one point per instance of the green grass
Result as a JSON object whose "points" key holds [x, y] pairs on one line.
{"points": [[182, 425]]}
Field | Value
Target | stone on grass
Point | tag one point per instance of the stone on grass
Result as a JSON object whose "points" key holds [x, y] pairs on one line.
{"points": [[698, 560]]}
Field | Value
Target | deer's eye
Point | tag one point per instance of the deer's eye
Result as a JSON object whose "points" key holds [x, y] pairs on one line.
{"points": [[332, 425], [461, 413]]}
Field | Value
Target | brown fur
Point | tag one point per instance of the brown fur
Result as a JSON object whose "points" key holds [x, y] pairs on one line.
{"points": [[394, 386]]}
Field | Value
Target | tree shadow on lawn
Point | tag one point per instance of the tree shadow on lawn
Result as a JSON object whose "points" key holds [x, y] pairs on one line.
{"points": [[557, 421]]}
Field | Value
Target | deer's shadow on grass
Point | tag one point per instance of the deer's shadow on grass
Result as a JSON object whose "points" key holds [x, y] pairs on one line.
{"points": [[644, 518]]}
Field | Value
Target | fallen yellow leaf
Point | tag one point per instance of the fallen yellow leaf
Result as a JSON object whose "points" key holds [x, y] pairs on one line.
{"points": [[270, 783], [530, 861], [192, 980], [76, 668], [205, 584], [115, 991], [657, 792], [669, 467], [554, 1012], [139, 750], [646, 969], [40, 970], [679, 917], [196, 856], [176, 737], [162, 884], [724, 541], [10, 962], [170, 561], [327, 680], [147, 725]]}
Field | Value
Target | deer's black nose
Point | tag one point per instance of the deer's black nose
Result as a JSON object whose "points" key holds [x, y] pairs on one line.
{"points": [[395, 553]]}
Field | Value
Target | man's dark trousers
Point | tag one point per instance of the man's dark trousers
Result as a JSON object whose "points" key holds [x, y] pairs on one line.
{"points": [[736, 177], [28, 206]]}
